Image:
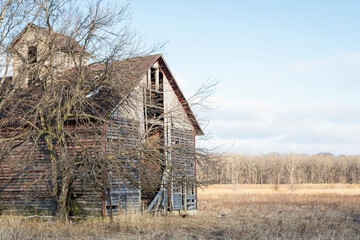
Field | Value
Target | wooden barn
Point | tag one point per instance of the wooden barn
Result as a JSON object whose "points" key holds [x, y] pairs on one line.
{"points": [[159, 118]]}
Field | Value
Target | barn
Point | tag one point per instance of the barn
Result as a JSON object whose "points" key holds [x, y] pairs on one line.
{"points": [[160, 121]]}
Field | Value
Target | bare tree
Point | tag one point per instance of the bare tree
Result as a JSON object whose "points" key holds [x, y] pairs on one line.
{"points": [[14, 15], [60, 64], [279, 169], [67, 82]]}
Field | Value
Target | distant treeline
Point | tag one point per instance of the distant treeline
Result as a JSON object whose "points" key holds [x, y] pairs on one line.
{"points": [[280, 169]]}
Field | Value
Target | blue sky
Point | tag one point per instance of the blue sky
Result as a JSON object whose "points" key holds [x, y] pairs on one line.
{"points": [[289, 71]]}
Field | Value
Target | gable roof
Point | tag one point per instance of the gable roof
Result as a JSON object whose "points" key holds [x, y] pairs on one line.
{"points": [[180, 96], [63, 42], [136, 69], [140, 67], [132, 69]]}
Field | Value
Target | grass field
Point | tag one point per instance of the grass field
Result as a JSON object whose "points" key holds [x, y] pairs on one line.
{"points": [[225, 212]]}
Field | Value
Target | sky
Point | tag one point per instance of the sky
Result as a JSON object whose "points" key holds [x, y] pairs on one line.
{"points": [[288, 71]]}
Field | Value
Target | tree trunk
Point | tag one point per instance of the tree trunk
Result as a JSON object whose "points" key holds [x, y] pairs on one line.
{"points": [[62, 208]]}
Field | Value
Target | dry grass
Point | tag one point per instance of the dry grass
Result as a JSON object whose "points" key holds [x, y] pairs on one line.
{"points": [[249, 212]]}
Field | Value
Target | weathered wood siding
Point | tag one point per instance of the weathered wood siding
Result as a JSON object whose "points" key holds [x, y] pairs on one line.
{"points": [[23, 174], [122, 147], [180, 149], [183, 173]]}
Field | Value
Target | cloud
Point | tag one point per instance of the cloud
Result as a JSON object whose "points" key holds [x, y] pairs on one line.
{"points": [[277, 144], [304, 107], [259, 127], [338, 71], [241, 109]]}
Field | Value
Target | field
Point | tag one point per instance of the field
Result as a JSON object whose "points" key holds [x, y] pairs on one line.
{"points": [[326, 211]]}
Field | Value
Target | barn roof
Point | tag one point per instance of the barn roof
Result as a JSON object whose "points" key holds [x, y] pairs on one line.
{"points": [[137, 68], [63, 43], [140, 67], [106, 101]]}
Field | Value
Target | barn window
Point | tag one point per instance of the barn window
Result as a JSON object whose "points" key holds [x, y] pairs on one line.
{"points": [[156, 78], [161, 81], [153, 79], [32, 54], [32, 58]]}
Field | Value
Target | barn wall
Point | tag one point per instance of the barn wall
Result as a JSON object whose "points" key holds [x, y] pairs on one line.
{"points": [[38, 38], [25, 179], [23, 174], [122, 149], [174, 111], [181, 144], [132, 106], [183, 174], [23, 188], [86, 192], [180, 149]]}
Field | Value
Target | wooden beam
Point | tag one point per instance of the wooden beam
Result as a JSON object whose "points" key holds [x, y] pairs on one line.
{"points": [[154, 201]]}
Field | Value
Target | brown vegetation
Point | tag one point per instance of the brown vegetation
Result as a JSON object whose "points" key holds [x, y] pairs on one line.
{"points": [[226, 212]]}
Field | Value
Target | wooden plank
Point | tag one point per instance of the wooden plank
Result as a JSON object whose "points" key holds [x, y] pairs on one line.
{"points": [[154, 201]]}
